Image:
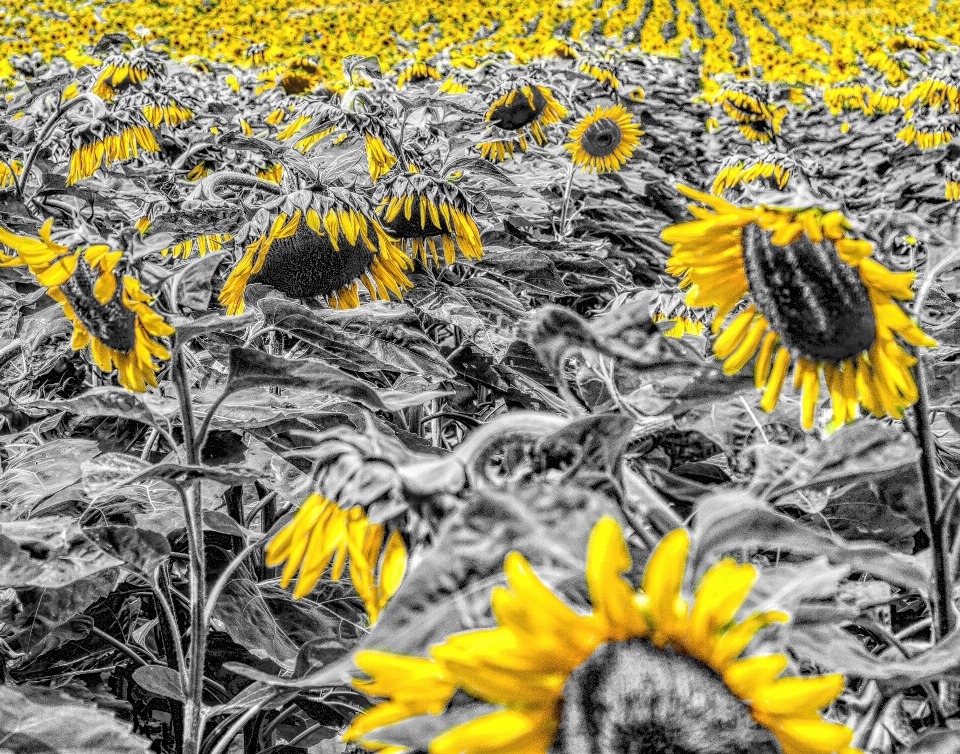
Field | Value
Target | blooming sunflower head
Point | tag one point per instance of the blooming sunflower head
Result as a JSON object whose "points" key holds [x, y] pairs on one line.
{"points": [[323, 534], [647, 666], [524, 109], [310, 243], [110, 313], [802, 291], [124, 71], [425, 212], [603, 140], [116, 136]]}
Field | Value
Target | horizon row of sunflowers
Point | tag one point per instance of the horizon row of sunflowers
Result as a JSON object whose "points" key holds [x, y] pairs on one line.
{"points": [[811, 42]]}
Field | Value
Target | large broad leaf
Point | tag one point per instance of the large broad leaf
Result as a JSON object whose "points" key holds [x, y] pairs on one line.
{"points": [[731, 521], [39, 473], [42, 610], [189, 288], [465, 310], [370, 339], [101, 401], [48, 553], [37, 720], [242, 612], [251, 368], [140, 549]]}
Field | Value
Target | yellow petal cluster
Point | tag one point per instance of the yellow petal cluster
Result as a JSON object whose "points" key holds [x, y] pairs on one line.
{"points": [[522, 664]]}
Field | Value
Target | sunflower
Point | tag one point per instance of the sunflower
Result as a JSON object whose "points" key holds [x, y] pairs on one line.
{"points": [[426, 212], [601, 71], [317, 244], [775, 167], [810, 294], [301, 75], [668, 306], [9, 172], [603, 140], [322, 531], [166, 110], [543, 654], [934, 93], [270, 171], [559, 47], [416, 72], [877, 57], [861, 97], [124, 71], [755, 118], [118, 135], [524, 109], [324, 119], [110, 312]]}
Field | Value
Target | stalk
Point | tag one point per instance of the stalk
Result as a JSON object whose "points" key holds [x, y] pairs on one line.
{"points": [[942, 597], [564, 208]]}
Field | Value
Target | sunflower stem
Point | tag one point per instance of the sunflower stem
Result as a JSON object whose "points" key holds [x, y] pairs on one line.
{"points": [[564, 207], [942, 598], [179, 374]]}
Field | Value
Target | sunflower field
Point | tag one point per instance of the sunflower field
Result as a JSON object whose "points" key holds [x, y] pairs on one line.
{"points": [[449, 378]]}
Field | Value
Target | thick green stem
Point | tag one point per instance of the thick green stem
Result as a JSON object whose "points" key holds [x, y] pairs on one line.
{"points": [[942, 597]]}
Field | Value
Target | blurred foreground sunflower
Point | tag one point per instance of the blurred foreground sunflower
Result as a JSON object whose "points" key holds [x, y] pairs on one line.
{"points": [[422, 211], [603, 140], [651, 668], [110, 312], [323, 534], [807, 293], [523, 109], [317, 244]]}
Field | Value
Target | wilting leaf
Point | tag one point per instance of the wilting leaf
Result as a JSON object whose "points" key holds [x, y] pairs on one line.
{"points": [[368, 340], [242, 612], [39, 473], [212, 323], [251, 368], [101, 401], [48, 553], [141, 549], [160, 681], [38, 720], [189, 288], [731, 521], [43, 609]]}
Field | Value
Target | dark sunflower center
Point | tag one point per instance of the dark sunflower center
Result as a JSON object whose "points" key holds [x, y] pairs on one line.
{"points": [[110, 323], [629, 697], [401, 227], [814, 300], [305, 264], [518, 113], [600, 138]]}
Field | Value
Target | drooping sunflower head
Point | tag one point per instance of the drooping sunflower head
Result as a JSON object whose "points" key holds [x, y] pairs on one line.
{"points": [[415, 71], [669, 307], [109, 311], [423, 212], [323, 534], [560, 47], [603, 140], [164, 109], [9, 170], [804, 291], [770, 166], [310, 243], [523, 109], [118, 135], [124, 71], [301, 75], [602, 71], [745, 102], [646, 665]]}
